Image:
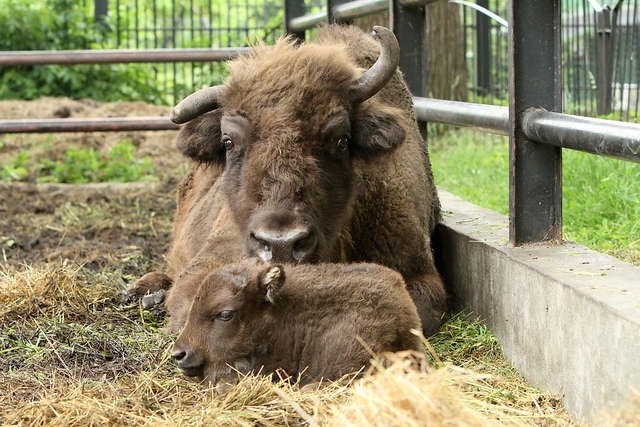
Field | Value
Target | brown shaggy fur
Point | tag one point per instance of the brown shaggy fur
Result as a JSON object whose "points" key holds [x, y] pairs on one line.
{"points": [[317, 321], [285, 110]]}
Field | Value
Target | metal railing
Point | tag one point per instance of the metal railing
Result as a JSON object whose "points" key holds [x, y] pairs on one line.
{"points": [[117, 56], [109, 124]]}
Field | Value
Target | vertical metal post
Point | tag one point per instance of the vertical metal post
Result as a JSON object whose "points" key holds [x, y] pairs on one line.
{"points": [[293, 9], [604, 63], [535, 177], [100, 10], [409, 25], [483, 47]]}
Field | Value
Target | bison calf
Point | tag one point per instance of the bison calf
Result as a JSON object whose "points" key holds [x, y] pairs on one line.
{"points": [[313, 321]]}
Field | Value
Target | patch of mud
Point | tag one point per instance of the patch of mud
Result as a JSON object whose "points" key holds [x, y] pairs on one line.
{"points": [[124, 226]]}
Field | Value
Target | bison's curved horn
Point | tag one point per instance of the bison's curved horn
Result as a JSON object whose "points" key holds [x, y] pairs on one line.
{"points": [[379, 74], [197, 104]]}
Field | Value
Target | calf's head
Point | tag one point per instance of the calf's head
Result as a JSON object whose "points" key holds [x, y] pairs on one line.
{"points": [[218, 337], [289, 125]]}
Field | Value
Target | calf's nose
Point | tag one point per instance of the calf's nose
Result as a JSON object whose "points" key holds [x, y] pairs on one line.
{"points": [[187, 360], [293, 245]]}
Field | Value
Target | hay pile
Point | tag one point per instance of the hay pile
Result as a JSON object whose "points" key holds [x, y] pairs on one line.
{"points": [[73, 355]]}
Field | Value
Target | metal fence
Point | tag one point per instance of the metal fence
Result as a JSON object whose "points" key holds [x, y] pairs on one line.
{"points": [[600, 45], [600, 55], [153, 24]]}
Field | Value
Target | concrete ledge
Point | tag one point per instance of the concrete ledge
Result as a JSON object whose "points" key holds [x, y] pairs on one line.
{"points": [[568, 317]]}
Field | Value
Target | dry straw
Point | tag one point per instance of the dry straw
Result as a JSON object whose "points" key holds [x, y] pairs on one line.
{"points": [[45, 292]]}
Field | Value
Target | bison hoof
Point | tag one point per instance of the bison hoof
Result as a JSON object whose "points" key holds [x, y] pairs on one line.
{"points": [[152, 300], [149, 284]]}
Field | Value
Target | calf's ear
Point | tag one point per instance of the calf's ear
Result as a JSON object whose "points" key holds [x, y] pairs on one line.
{"points": [[377, 129], [271, 281], [199, 139]]}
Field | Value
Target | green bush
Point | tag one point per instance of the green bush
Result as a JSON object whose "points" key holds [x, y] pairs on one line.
{"points": [[82, 166], [16, 170], [63, 25]]}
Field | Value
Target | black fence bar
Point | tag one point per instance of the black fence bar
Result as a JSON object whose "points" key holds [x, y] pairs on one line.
{"points": [[100, 10], [605, 20], [341, 12], [535, 177], [489, 117], [293, 10], [409, 26], [112, 124], [596, 136], [483, 48], [117, 56], [331, 7]]}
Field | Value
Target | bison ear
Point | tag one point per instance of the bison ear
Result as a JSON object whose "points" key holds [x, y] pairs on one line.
{"points": [[271, 281], [377, 129], [199, 139]]}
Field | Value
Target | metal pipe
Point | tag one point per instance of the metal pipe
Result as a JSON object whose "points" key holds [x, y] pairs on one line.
{"points": [[489, 117], [307, 21], [112, 124], [342, 12], [597, 136], [359, 8], [116, 56]]}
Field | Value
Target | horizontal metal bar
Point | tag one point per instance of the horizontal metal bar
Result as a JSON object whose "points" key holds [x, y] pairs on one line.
{"points": [[353, 9], [116, 56], [359, 8], [112, 124], [597, 136], [307, 21], [489, 117]]}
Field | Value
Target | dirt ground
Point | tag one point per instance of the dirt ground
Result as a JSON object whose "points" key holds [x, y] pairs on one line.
{"points": [[73, 353]]}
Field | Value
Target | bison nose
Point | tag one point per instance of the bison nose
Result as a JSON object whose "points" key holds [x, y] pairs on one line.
{"points": [[188, 361], [294, 245]]}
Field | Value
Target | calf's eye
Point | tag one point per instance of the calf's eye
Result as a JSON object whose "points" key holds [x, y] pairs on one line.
{"points": [[343, 143], [225, 315], [228, 143]]}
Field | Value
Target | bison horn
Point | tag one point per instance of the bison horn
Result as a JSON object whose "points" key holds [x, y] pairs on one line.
{"points": [[197, 104], [379, 74]]}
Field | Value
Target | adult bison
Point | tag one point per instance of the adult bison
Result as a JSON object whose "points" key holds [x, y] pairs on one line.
{"points": [[307, 154]]}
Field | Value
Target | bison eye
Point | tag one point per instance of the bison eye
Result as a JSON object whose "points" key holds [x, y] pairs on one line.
{"points": [[228, 143], [225, 315], [343, 143]]}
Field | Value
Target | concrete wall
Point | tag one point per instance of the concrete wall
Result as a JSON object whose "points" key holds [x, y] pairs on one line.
{"points": [[568, 318]]}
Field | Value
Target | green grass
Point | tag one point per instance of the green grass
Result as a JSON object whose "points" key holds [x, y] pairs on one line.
{"points": [[81, 166], [601, 200]]}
